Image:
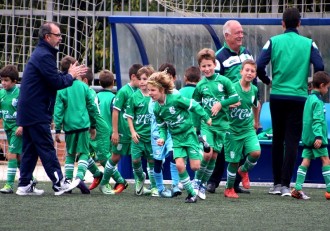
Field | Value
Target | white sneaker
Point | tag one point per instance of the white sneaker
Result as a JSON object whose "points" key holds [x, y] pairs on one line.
{"points": [[29, 190], [66, 185], [201, 192]]}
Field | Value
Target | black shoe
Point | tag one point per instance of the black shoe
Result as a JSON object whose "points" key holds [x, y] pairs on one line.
{"points": [[210, 188], [241, 190], [83, 188], [191, 199]]}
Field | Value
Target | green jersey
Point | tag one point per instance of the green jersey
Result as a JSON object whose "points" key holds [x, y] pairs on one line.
{"points": [[241, 117], [188, 91], [174, 114], [138, 111], [314, 120], [8, 107], [105, 102], [75, 109], [120, 103], [216, 88]]}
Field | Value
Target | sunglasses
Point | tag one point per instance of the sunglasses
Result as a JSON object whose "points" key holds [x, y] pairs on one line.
{"points": [[57, 35]]}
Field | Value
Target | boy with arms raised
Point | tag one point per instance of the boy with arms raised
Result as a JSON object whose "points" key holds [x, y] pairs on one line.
{"points": [[314, 135], [241, 138]]}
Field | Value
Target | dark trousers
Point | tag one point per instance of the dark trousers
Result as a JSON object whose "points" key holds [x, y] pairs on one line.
{"points": [[38, 142], [219, 168], [287, 127]]}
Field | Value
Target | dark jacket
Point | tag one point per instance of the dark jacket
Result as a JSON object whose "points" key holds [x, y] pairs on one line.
{"points": [[40, 82]]}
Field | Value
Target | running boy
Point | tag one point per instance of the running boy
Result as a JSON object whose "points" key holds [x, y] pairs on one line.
{"points": [[121, 137], [138, 118], [171, 112], [8, 107], [215, 93], [314, 135], [241, 138]]}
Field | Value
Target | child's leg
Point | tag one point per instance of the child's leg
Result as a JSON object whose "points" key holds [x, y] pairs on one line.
{"points": [[151, 172], [209, 168], [173, 169], [82, 165], [158, 175], [184, 176], [137, 169], [301, 174], [231, 174], [250, 161], [110, 170], [92, 167], [12, 168], [326, 171], [199, 175], [69, 165]]}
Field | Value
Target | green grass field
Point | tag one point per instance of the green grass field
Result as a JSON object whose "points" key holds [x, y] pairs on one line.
{"points": [[257, 211]]}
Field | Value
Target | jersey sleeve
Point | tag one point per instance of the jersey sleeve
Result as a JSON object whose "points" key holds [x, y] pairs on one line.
{"points": [[193, 106], [318, 118], [59, 111], [119, 101], [231, 93], [129, 112]]}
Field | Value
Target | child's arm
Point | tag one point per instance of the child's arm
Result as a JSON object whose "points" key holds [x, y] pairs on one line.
{"points": [[318, 118], [115, 135], [193, 106], [93, 111], [129, 114]]}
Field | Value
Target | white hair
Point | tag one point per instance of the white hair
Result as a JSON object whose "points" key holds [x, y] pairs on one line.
{"points": [[226, 27]]}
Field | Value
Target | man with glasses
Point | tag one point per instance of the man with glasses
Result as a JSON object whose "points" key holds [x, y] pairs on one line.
{"points": [[40, 82]]}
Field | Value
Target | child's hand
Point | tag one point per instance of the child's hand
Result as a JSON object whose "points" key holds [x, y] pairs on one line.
{"points": [[115, 138], [235, 105], [317, 143], [19, 131], [135, 137], [209, 122], [92, 131], [57, 138], [216, 108], [160, 142]]}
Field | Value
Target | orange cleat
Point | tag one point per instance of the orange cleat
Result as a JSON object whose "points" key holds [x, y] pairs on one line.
{"points": [[230, 193], [96, 182], [245, 178], [120, 187], [327, 195]]}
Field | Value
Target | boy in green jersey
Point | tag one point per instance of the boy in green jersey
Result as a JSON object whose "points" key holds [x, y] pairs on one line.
{"points": [[75, 100], [215, 93], [138, 118], [105, 98], [8, 106], [172, 114], [241, 138], [314, 135], [121, 137]]}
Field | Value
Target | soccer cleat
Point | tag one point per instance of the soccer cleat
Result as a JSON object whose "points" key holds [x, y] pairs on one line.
{"points": [[195, 184], [139, 185], [175, 191], [327, 195], [230, 193], [201, 192], [7, 189], [241, 190], [83, 188], [166, 193], [210, 188], [299, 195], [96, 182], [191, 199], [154, 192], [65, 186], [120, 187], [106, 189], [245, 178], [285, 191], [275, 190], [180, 186], [29, 190], [146, 191]]}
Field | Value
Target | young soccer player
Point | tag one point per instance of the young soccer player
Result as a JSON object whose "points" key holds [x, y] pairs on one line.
{"points": [[76, 100], [165, 152], [241, 138], [138, 118], [105, 98], [8, 106], [215, 93], [314, 135], [121, 137], [171, 112]]}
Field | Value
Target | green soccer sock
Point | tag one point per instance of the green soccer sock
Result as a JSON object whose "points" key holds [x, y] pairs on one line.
{"points": [[326, 176], [249, 163], [208, 171], [185, 180], [92, 167], [301, 175], [151, 175], [69, 166], [11, 171], [110, 170], [201, 172], [231, 174], [82, 166], [137, 170]]}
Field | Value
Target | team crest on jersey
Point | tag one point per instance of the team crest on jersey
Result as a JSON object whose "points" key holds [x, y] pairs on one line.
{"points": [[232, 154], [14, 102], [220, 87], [141, 105], [119, 147], [172, 110]]}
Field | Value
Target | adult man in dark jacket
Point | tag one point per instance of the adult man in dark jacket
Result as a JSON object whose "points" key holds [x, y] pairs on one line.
{"points": [[40, 82]]}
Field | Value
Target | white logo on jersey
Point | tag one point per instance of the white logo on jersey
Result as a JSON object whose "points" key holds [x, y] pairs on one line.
{"points": [[220, 87], [172, 110], [119, 147], [141, 105], [14, 102], [232, 154]]}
